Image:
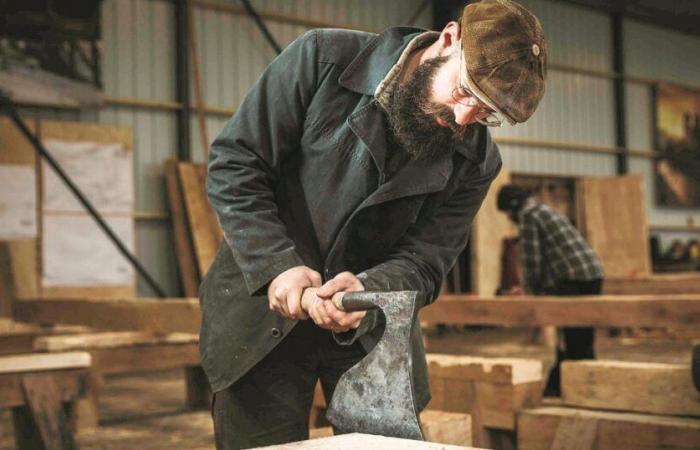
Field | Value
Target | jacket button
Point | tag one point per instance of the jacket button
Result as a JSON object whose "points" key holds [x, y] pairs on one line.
{"points": [[275, 332]]}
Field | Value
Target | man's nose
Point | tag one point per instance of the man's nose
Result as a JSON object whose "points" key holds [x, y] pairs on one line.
{"points": [[464, 114]]}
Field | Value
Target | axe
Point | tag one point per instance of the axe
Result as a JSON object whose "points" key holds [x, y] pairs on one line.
{"points": [[375, 396]]}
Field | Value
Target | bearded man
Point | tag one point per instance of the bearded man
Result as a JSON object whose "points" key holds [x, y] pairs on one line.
{"points": [[356, 162]]}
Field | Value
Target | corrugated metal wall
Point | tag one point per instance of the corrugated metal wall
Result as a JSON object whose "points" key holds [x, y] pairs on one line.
{"points": [[139, 58], [660, 54], [576, 109]]}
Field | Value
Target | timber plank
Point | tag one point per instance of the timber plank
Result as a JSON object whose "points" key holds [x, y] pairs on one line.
{"points": [[662, 283], [204, 227], [109, 340], [496, 370], [40, 362], [17, 150], [621, 244], [183, 315], [150, 315], [537, 429], [490, 227], [184, 248], [655, 388], [144, 358], [600, 310]]}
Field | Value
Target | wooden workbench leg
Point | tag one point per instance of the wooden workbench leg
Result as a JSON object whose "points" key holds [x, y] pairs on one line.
{"points": [[42, 423], [198, 390], [84, 413], [480, 435]]}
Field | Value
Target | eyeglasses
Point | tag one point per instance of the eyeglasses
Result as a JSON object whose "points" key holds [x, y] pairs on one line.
{"points": [[464, 96]]}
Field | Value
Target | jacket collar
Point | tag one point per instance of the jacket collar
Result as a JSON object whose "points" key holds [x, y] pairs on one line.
{"points": [[370, 66]]}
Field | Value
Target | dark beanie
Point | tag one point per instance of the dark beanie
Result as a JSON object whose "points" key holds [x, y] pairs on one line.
{"points": [[512, 198]]}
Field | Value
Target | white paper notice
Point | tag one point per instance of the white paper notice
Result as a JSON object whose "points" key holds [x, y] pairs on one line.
{"points": [[77, 252], [17, 202], [103, 172]]}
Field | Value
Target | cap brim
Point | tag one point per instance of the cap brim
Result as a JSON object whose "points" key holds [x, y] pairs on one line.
{"points": [[466, 79]]}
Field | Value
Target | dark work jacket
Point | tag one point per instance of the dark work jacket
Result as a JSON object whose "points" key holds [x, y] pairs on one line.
{"points": [[296, 178]]}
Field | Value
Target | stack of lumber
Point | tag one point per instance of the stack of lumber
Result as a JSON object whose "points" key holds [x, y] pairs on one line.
{"points": [[491, 390], [124, 352], [613, 405], [197, 231]]}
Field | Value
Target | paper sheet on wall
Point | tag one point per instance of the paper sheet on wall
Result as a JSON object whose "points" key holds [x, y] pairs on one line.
{"points": [[17, 202], [103, 172], [76, 252]]}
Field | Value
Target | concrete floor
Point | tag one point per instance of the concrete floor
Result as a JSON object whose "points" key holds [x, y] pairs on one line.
{"points": [[146, 411]]}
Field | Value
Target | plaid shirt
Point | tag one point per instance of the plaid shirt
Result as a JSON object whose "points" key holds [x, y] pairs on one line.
{"points": [[553, 250]]}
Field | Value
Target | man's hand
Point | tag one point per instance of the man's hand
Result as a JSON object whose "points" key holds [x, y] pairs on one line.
{"points": [[324, 313], [284, 293]]}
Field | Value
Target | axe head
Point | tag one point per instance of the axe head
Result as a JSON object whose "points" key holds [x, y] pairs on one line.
{"points": [[376, 395]]}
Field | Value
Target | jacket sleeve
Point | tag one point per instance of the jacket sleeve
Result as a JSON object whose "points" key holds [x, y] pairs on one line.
{"points": [[429, 249], [245, 160]]}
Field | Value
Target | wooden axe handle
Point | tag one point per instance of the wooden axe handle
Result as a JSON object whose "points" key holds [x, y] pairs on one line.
{"points": [[309, 295]]}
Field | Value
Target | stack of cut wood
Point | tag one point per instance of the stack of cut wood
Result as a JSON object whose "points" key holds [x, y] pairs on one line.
{"points": [[615, 405], [491, 390], [197, 231]]}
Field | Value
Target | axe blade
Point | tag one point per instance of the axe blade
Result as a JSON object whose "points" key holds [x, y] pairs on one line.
{"points": [[376, 395]]}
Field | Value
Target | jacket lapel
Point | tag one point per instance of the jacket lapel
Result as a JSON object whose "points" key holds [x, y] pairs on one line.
{"points": [[368, 125]]}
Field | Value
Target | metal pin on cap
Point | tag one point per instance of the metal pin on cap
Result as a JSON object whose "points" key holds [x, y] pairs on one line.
{"points": [[535, 49]]}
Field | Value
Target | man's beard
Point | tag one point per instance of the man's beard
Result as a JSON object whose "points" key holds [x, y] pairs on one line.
{"points": [[412, 116]]}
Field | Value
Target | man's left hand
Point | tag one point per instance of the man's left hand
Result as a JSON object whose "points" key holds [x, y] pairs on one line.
{"points": [[324, 313]]}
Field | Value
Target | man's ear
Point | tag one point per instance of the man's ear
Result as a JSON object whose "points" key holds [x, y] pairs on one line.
{"points": [[449, 38]]}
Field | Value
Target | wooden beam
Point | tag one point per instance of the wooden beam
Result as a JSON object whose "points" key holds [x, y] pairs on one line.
{"points": [[184, 247], [478, 368], [667, 283], [109, 339], [36, 362], [145, 358], [654, 388], [183, 315], [537, 429], [602, 310], [7, 282], [205, 232], [151, 315], [621, 244]]}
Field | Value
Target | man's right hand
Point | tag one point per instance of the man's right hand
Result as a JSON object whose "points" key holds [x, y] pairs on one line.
{"points": [[284, 293]]}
